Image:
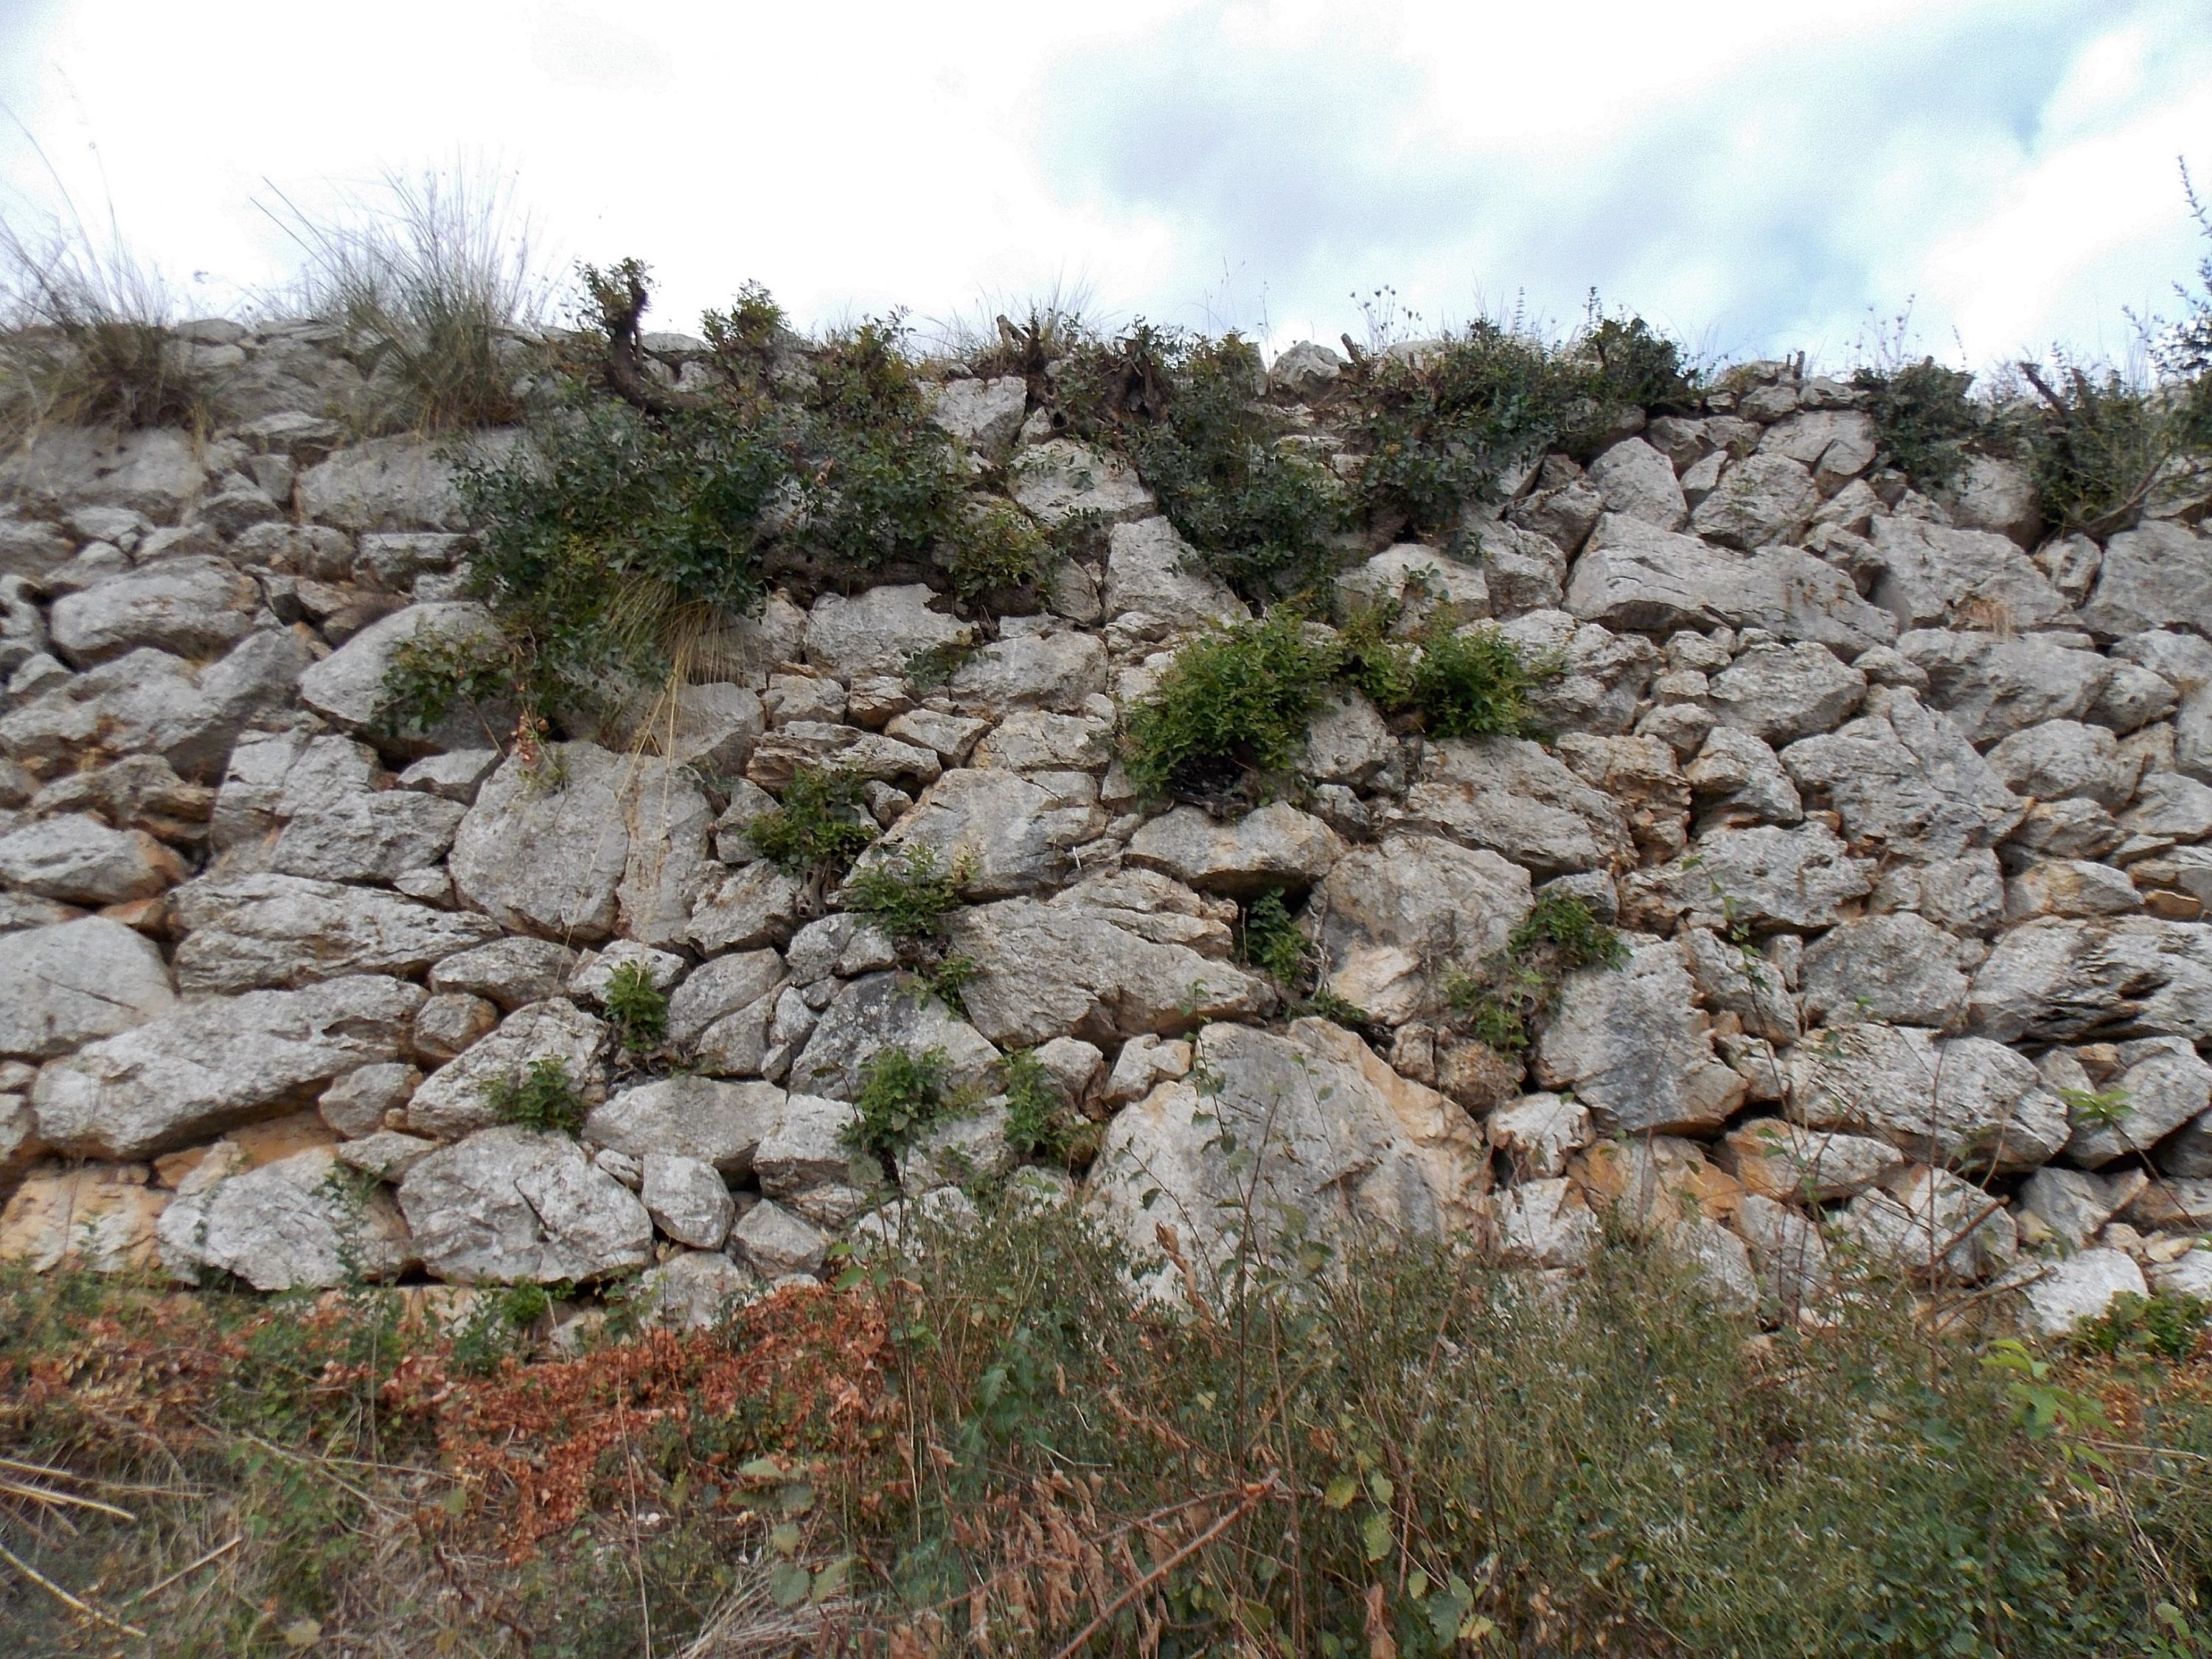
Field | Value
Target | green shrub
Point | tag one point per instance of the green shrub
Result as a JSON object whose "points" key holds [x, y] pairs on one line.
{"points": [[1269, 940], [1036, 1125], [1003, 554], [1637, 365], [2099, 445], [1229, 716], [1461, 685], [1184, 409], [2166, 1325], [637, 1008], [543, 1096], [1503, 1002], [818, 826], [1924, 419], [902, 1093], [909, 895]]}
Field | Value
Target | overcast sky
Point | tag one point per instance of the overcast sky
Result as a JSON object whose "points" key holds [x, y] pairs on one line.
{"points": [[1754, 175]]}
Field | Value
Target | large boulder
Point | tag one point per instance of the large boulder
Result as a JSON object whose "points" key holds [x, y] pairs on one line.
{"points": [[295, 1223], [2157, 576], [1628, 1042], [1058, 479], [985, 415], [1637, 480], [586, 845], [1390, 917], [1933, 575], [721, 1124], [349, 689], [1931, 1227], [878, 632], [1964, 1102], [246, 933], [1761, 500], [197, 606], [1155, 585], [385, 483], [1276, 846], [78, 858], [453, 1100], [2056, 979], [1031, 670], [2065, 760], [65, 985], [207, 1066], [1783, 692], [1905, 782], [2163, 1085], [1009, 833], [1289, 1141], [1899, 967], [1076, 966], [886, 1010], [1518, 798], [63, 469], [1992, 686], [511, 1206], [1766, 876]]}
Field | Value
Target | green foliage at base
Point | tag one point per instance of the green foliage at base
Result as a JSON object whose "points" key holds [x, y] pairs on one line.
{"points": [[1229, 713], [1184, 408], [1036, 1125], [1503, 1002], [909, 895], [902, 1093], [545, 1097], [637, 1008], [2167, 1325], [1924, 419], [819, 825]]}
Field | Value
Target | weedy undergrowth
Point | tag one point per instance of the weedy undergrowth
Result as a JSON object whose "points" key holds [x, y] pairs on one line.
{"points": [[903, 1092], [818, 826], [637, 1008], [1504, 1000], [1229, 716], [542, 1097]]}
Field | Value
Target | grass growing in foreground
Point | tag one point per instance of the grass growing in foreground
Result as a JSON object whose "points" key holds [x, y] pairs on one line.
{"points": [[994, 1448]]}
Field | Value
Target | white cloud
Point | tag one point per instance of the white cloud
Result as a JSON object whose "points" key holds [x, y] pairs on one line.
{"points": [[1752, 175]]}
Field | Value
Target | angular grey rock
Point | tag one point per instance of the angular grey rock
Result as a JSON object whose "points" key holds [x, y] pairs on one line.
{"points": [[985, 415], [2074, 1206], [1522, 570], [1898, 968], [1343, 1149], [746, 908], [206, 1067], [692, 1289], [369, 835], [2171, 807], [1906, 781], [1075, 967], [2159, 575], [190, 607], [2062, 981], [1419, 580], [1390, 917], [1636, 479], [687, 1200], [586, 845], [1965, 1102], [1783, 692], [66, 470], [1155, 585], [886, 1010], [878, 631], [718, 1123], [385, 483], [1996, 495], [1604, 675], [1733, 979], [1346, 742], [387, 1155], [287, 1225], [67, 984], [1059, 478], [453, 1100], [2082, 1287], [246, 933], [2070, 887], [1737, 779], [719, 987], [1933, 575], [347, 688], [1049, 670], [1276, 846], [1628, 1043], [453, 777], [77, 858], [1636, 575], [2061, 759], [2131, 698], [1014, 835], [810, 1148], [511, 1206], [778, 1243], [356, 1104], [1762, 500], [1833, 444], [1539, 1134], [1516, 798], [1766, 877], [1933, 1227], [2165, 1085], [1993, 687], [509, 971], [1797, 1165], [1304, 371]]}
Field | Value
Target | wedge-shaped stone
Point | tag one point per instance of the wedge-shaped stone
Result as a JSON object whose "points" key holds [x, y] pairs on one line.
{"points": [[1633, 1048], [1964, 1102], [1517, 799], [1391, 917], [1276, 846], [65, 985], [287, 1225], [453, 1100], [511, 1206]]}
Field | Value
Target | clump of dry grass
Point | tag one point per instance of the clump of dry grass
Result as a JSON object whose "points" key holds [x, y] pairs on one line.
{"points": [[441, 279]]}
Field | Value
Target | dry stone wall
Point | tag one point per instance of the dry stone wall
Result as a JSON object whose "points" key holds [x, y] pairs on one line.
{"points": [[1904, 809]]}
